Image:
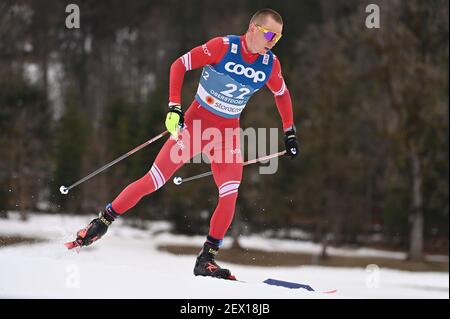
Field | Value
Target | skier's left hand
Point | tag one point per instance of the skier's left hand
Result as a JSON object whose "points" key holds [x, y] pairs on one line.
{"points": [[290, 141]]}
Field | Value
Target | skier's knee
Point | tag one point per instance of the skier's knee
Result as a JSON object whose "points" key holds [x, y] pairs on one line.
{"points": [[229, 188], [157, 176]]}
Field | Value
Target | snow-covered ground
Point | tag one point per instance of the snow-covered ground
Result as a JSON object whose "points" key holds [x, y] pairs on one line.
{"points": [[127, 264]]}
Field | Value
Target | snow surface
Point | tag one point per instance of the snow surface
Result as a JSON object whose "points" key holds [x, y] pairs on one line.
{"points": [[127, 264]]}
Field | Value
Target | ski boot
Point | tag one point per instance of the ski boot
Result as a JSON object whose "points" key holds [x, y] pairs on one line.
{"points": [[95, 230], [205, 264]]}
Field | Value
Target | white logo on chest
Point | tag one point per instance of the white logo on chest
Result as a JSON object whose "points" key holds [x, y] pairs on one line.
{"points": [[239, 69]]}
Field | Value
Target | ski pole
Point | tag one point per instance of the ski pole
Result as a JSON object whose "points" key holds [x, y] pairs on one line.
{"points": [[64, 190], [178, 180]]}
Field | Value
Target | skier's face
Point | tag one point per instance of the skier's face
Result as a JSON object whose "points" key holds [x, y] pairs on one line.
{"points": [[264, 36]]}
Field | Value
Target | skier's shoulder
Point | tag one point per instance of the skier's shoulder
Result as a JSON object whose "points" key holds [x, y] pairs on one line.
{"points": [[225, 40], [219, 40], [216, 43], [216, 47]]}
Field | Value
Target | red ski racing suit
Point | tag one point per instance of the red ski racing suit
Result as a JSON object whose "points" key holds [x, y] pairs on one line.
{"points": [[231, 74]]}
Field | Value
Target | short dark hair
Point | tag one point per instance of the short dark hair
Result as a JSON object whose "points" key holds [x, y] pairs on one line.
{"points": [[262, 14]]}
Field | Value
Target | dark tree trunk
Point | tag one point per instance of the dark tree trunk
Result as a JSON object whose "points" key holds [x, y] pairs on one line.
{"points": [[416, 216]]}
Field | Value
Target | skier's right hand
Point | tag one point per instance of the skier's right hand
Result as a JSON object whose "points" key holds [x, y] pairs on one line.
{"points": [[175, 120], [94, 231], [290, 141]]}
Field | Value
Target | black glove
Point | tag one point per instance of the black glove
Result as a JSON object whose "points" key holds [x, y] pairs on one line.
{"points": [[95, 230], [290, 141]]}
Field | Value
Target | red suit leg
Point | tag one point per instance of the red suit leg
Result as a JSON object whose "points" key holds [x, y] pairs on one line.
{"points": [[170, 158], [227, 172]]}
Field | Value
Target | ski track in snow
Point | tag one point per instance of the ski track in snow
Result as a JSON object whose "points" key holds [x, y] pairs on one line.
{"points": [[126, 264]]}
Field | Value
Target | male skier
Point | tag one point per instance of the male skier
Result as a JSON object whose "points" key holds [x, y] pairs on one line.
{"points": [[234, 68]]}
